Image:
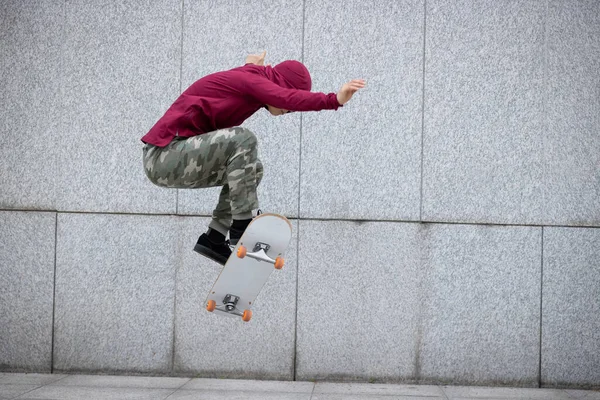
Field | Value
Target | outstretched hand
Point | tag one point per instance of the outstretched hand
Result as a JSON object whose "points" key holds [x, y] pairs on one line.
{"points": [[346, 92]]}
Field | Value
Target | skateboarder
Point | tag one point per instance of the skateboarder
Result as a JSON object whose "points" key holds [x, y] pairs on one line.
{"points": [[199, 142]]}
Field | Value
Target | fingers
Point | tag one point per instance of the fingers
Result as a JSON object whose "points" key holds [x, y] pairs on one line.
{"points": [[354, 85], [348, 89], [357, 83], [261, 59], [258, 59]]}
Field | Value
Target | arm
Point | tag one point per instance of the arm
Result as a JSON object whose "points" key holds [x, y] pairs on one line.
{"points": [[299, 101], [266, 92]]}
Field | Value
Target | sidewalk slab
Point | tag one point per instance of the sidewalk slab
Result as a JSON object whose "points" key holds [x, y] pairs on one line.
{"points": [[9, 391], [337, 396], [488, 393], [235, 395], [499, 398], [378, 389], [95, 393], [584, 394], [113, 381], [11, 378], [249, 385]]}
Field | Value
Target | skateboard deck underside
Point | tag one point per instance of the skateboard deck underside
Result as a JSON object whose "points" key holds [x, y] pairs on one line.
{"points": [[244, 278]]}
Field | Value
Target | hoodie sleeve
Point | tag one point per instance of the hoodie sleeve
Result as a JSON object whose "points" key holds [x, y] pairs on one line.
{"points": [[266, 92]]}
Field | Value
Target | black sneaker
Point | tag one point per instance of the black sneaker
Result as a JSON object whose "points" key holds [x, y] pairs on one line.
{"points": [[218, 252], [236, 231]]}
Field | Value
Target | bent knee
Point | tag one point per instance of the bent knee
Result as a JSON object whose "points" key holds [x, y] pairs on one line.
{"points": [[245, 136]]}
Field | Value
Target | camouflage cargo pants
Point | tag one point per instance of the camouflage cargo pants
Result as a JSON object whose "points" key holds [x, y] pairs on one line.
{"points": [[227, 158]]}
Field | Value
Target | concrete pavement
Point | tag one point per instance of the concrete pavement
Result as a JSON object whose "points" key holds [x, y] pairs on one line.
{"points": [[104, 387]]}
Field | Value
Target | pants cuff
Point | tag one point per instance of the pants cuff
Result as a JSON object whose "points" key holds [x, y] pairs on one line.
{"points": [[219, 227], [246, 215]]}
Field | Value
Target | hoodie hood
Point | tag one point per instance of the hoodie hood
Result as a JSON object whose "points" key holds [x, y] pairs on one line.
{"points": [[290, 74]]}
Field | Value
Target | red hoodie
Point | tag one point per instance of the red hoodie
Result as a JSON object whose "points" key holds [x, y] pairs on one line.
{"points": [[225, 99]]}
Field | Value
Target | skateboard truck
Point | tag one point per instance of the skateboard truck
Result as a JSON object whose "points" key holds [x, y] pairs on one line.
{"points": [[230, 301], [259, 252], [229, 306]]}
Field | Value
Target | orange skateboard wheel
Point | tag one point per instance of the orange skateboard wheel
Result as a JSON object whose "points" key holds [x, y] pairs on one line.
{"points": [[279, 263], [247, 315], [241, 252], [211, 305]]}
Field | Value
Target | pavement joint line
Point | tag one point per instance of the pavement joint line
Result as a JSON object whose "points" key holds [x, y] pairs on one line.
{"points": [[172, 393]]}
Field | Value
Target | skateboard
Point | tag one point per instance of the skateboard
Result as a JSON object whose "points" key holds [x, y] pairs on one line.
{"points": [[257, 253]]}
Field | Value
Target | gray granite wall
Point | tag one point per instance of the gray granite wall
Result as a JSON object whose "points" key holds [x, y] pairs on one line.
{"points": [[445, 221]]}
